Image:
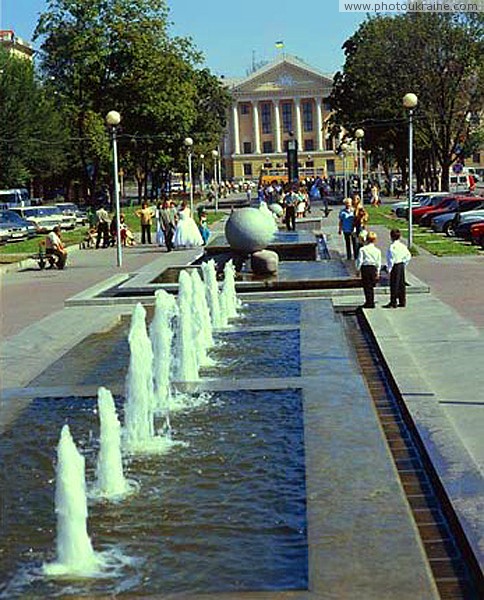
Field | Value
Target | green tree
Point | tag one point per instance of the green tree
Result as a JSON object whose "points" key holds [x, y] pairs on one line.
{"points": [[117, 54], [32, 135], [440, 58]]}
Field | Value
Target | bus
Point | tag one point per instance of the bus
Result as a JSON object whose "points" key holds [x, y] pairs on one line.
{"points": [[14, 198]]}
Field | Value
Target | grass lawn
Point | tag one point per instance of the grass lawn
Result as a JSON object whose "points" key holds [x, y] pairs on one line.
{"points": [[13, 252], [435, 243]]}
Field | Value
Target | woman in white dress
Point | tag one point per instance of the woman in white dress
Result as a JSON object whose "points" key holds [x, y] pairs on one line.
{"points": [[187, 234]]}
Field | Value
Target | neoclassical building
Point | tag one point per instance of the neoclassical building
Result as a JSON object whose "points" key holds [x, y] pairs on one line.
{"points": [[286, 99]]}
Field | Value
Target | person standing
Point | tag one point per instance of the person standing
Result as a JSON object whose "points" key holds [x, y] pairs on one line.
{"points": [[103, 222], [398, 257], [346, 227], [369, 265], [145, 213], [168, 219], [290, 202]]}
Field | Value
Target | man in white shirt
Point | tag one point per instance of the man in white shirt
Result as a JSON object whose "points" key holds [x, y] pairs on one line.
{"points": [[398, 257], [54, 245], [369, 265]]}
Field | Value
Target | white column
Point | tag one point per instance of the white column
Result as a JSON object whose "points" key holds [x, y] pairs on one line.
{"points": [[277, 115], [235, 115], [255, 108], [319, 125], [297, 103]]}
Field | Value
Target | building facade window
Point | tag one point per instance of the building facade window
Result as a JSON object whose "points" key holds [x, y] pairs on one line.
{"points": [[308, 145], [476, 157], [247, 147], [307, 110], [286, 116], [266, 117], [330, 169], [326, 104], [329, 143], [248, 169], [245, 109], [267, 147]]}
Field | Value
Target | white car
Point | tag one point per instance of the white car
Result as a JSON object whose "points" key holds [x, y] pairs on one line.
{"points": [[70, 209], [45, 218]]}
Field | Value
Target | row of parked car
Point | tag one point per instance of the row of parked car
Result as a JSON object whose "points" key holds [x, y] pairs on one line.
{"points": [[454, 215], [24, 222]]}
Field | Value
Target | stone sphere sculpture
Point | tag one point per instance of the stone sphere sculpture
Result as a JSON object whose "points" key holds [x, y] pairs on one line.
{"points": [[276, 209], [248, 230]]}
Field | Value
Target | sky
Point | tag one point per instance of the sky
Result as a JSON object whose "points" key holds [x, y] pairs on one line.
{"points": [[232, 34]]}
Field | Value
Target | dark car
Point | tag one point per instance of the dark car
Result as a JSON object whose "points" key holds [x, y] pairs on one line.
{"points": [[463, 230], [14, 220], [458, 204]]}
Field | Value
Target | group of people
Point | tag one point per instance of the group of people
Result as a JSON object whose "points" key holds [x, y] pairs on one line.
{"points": [[361, 244], [175, 227]]}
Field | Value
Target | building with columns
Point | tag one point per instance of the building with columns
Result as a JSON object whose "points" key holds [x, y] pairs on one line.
{"points": [[286, 99]]}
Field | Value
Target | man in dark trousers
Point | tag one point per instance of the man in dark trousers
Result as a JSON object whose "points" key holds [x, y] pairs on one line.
{"points": [[290, 202], [398, 257], [369, 265], [168, 223]]}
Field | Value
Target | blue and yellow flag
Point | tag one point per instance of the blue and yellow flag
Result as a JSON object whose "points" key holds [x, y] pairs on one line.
{"points": [[280, 44]]}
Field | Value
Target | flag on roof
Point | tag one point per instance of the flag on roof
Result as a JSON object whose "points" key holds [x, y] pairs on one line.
{"points": [[280, 44]]}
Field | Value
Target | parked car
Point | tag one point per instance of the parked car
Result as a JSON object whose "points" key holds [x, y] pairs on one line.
{"points": [[463, 227], [5, 233], [16, 233], [418, 213], [72, 210], [445, 223], [12, 219], [458, 204], [477, 234], [420, 199], [45, 218]]}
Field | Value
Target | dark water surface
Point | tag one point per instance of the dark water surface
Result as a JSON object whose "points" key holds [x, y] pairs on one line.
{"points": [[226, 512], [103, 358]]}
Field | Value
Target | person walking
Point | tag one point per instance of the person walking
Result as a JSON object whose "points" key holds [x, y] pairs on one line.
{"points": [[346, 227], [398, 257], [103, 222], [369, 265], [145, 213]]}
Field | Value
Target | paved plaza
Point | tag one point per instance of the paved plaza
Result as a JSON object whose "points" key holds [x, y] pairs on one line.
{"points": [[433, 348]]}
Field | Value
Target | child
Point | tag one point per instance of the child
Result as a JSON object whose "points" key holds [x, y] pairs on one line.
{"points": [[203, 227], [369, 264]]}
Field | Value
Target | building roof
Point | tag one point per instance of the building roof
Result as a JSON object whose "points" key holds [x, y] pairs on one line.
{"points": [[286, 71]]}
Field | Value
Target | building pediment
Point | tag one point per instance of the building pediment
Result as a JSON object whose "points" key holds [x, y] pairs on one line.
{"points": [[284, 76]]}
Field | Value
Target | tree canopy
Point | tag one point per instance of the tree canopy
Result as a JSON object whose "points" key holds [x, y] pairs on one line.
{"points": [[102, 55], [438, 57]]}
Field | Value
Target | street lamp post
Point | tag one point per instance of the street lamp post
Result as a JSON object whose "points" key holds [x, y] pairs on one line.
{"points": [[360, 134], [215, 164], [344, 149], [391, 148], [202, 173], [189, 145], [410, 101], [113, 119]]}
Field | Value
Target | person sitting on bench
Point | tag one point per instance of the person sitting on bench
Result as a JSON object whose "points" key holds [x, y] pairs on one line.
{"points": [[55, 247]]}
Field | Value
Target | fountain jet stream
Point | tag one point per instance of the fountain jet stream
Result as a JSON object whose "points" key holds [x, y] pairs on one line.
{"points": [[229, 294], [75, 555], [186, 365], [212, 292], [110, 482], [161, 335], [139, 434], [202, 321]]}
